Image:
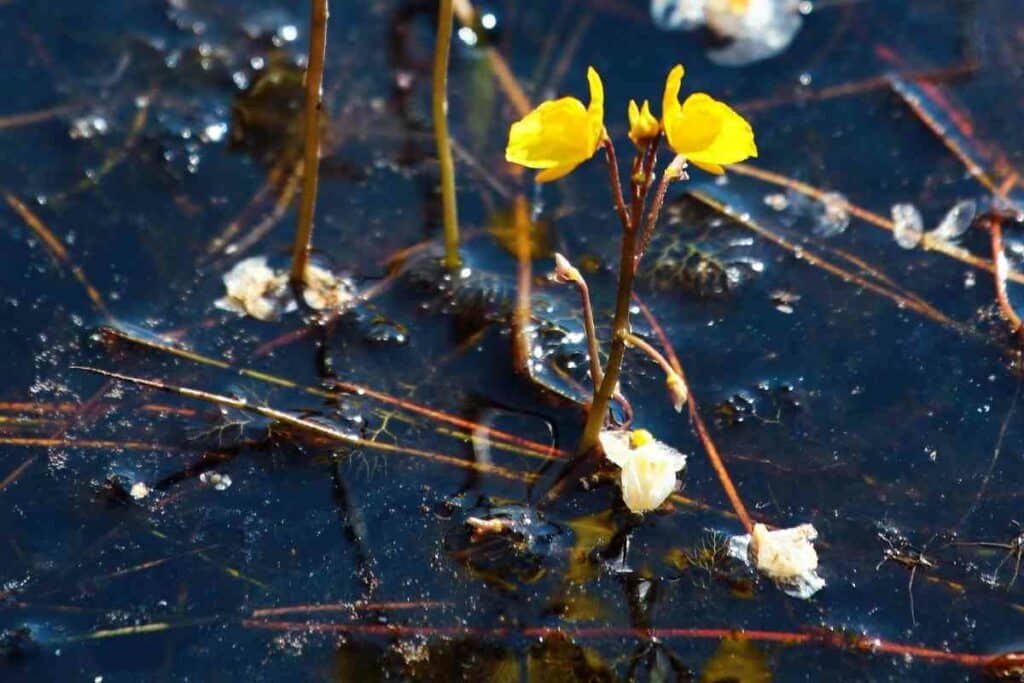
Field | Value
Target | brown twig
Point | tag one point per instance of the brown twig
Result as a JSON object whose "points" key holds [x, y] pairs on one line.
{"points": [[1002, 267], [311, 140], [309, 426]]}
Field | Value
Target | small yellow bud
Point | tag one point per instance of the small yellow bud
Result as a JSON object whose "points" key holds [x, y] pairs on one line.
{"points": [[677, 390], [640, 437], [643, 127], [565, 272]]}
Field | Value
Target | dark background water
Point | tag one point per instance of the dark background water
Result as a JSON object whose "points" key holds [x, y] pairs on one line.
{"points": [[882, 427]]}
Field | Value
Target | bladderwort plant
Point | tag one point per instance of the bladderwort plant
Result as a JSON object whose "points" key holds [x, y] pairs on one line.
{"points": [[561, 134]]}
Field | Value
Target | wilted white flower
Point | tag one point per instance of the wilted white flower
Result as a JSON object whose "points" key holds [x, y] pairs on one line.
{"points": [[648, 467], [325, 291], [786, 556], [254, 288]]}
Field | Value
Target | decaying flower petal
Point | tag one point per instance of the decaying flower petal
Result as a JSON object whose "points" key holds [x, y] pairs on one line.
{"points": [[786, 556], [648, 467]]}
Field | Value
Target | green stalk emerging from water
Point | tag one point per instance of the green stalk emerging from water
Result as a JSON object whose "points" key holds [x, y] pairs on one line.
{"points": [[444, 147], [311, 140]]}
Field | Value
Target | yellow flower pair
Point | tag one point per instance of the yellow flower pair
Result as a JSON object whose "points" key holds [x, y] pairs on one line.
{"points": [[559, 135]]}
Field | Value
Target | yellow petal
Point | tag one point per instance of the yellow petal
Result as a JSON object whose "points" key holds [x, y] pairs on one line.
{"points": [[643, 127], [553, 134], [559, 135], [555, 172], [707, 131], [596, 109], [670, 106], [714, 169]]}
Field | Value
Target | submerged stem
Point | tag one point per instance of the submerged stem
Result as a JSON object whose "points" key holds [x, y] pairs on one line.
{"points": [[311, 140], [444, 147]]}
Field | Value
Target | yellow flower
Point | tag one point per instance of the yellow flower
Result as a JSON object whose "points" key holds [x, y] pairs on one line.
{"points": [[559, 135], [702, 129], [643, 127]]}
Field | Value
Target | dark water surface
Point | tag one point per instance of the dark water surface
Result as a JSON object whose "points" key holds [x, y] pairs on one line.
{"points": [[896, 431]]}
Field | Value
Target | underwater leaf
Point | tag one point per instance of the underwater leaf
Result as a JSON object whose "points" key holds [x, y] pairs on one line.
{"points": [[559, 660], [736, 661], [591, 531]]}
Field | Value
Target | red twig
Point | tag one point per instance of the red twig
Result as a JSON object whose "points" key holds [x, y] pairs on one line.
{"points": [[698, 421], [995, 229]]}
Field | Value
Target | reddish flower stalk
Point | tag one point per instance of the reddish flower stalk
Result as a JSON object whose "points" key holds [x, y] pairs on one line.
{"points": [[835, 639], [698, 422], [1000, 272]]}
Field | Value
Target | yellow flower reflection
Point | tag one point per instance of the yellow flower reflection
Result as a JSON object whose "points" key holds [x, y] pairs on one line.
{"points": [[702, 129], [559, 135], [643, 127]]}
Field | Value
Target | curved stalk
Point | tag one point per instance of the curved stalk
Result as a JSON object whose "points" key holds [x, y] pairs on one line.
{"points": [[444, 147]]}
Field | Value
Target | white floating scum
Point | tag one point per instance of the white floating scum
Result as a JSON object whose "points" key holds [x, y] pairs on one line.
{"points": [[786, 556]]}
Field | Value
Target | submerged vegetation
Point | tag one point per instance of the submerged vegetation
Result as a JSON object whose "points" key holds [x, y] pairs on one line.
{"points": [[422, 450]]}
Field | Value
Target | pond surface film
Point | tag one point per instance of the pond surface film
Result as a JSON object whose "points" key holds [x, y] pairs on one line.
{"points": [[854, 368]]}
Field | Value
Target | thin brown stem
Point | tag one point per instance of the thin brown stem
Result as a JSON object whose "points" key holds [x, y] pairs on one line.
{"points": [[653, 353], [310, 427], [620, 326], [674, 171], [311, 140], [1000, 272], [616, 184], [442, 47]]}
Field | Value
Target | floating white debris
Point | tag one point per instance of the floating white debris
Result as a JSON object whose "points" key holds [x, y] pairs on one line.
{"points": [[956, 221], [139, 490], [220, 482], [254, 288], [833, 216], [648, 467], [325, 291], [908, 226], [786, 556], [759, 29], [778, 201]]}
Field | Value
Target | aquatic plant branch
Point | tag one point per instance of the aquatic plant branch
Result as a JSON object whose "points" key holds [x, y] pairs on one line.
{"points": [[698, 422], [598, 412], [59, 252], [1002, 267], [338, 387], [616, 183], [523, 311], [849, 642], [930, 243], [676, 170], [439, 101], [620, 323], [565, 272], [641, 344], [311, 141], [900, 297], [309, 426]]}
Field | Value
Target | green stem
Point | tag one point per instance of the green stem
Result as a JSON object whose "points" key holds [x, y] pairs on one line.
{"points": [[444, 148], [311, 144]]}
